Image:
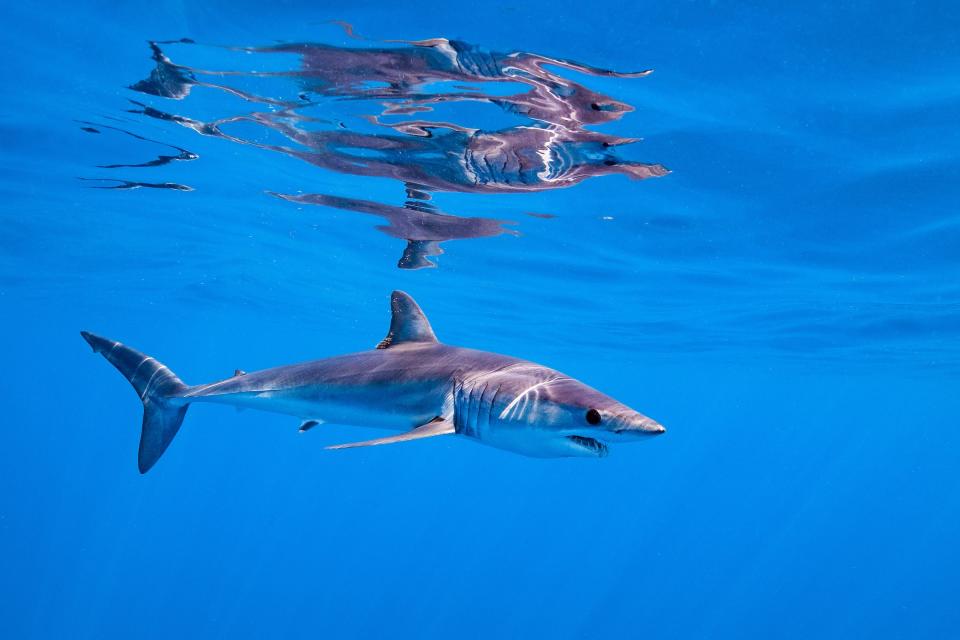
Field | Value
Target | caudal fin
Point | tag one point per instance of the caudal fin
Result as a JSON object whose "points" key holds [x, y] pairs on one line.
{"points": [[159, 390]]}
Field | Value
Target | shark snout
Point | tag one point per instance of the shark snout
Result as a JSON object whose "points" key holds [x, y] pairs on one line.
{"points": [[654, 428], [638, 425]]}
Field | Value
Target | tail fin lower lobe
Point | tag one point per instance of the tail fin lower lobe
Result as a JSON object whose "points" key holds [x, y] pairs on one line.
{"points": [[159, 390]]}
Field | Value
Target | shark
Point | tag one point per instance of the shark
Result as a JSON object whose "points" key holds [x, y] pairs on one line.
{"points": [[409, 383]]}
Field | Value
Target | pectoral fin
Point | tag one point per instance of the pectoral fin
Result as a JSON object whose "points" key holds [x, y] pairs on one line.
{"points": [[436, 427]]}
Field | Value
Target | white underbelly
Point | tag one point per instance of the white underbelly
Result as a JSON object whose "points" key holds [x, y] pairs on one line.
{"points": [[352, 407]]}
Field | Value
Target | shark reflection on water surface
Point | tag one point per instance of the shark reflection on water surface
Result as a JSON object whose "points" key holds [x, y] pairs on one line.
{"points": [[402, 82], [421, 224]]}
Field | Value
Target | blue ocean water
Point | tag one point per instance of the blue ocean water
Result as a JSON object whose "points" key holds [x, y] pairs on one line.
{"points": [[784, 300]]}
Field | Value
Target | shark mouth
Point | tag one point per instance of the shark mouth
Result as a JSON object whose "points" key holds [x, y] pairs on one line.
{"points": [[596, 447]]}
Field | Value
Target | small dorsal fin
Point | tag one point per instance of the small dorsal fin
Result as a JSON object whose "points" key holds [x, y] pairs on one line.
{"points": [[239, 372], [407, 322]]}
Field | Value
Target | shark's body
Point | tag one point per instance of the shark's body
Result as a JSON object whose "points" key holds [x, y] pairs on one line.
{"points": [[410, 383]]}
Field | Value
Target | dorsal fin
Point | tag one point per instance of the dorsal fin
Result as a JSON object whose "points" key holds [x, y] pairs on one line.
{"points": [[407, 322], [239, 372]]}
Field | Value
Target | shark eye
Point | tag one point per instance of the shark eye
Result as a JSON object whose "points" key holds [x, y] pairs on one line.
{"points": [[593, 416]]}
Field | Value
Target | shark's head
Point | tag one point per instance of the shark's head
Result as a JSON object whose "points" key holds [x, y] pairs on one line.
{"points": [[573, 406], [539, 412], [587, 419]]}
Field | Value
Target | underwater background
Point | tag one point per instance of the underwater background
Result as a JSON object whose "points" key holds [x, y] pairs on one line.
{"points": [[780, 290]]}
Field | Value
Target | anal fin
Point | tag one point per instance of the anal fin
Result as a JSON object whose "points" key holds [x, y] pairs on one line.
{"points": [[436, 427], [308, 424]]}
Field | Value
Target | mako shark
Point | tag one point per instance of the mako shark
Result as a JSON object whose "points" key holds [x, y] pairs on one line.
{"points": [[410, 382]]}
